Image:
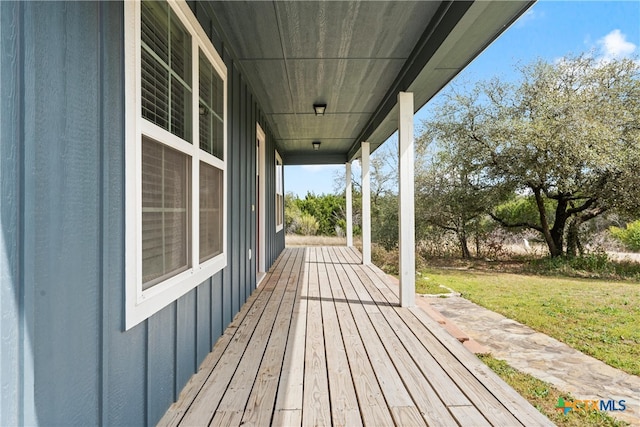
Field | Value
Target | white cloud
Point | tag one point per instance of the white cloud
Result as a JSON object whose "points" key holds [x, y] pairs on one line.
{"points": [[529, 16], [615, 46]]}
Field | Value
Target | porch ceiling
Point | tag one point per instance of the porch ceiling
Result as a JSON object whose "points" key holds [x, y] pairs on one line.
{"points": [[354, 56]]}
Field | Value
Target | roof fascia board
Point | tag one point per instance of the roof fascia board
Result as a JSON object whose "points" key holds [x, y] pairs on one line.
{"points": [[446, 18], [354, 152]]}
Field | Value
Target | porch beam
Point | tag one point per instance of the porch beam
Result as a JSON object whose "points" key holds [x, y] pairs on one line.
{"points": [[406, 206], [349, 197], [366, 206]]}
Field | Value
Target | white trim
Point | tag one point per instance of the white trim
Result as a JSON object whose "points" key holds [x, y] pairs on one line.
{"points": [[279, 227], [406, 207], [262, 209], [139, 304], [366, 205], [349, 202]]}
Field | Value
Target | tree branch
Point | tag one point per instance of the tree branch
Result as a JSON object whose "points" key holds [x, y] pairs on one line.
{"points": [[516, 224], [586, 216], [586, 205]]}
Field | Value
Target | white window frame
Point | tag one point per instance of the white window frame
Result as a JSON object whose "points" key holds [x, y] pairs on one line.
{"points": [[280, 226], [141, 304]]}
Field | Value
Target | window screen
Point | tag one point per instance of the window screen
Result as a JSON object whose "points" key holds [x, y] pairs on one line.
{"points": [[211, 211], [165, 212], [166, 70], [211, 109]]}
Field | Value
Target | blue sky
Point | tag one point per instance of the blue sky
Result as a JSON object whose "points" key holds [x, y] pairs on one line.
{"points": [[549, 30]]}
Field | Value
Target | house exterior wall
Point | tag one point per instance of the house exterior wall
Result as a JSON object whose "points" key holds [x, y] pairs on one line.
{"points": [[66, 358]]}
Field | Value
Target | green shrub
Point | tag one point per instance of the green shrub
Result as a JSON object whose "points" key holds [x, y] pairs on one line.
{"points": [[292, 215], [386, 260], [593, 262], [328, 211], [307, 225], [629, 236]]}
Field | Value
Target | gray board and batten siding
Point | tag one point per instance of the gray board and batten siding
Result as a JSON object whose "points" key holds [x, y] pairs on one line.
{"points": [[65, 357]]}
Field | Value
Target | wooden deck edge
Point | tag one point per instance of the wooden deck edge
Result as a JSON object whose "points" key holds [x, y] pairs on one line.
{"points": [[528, 414]]}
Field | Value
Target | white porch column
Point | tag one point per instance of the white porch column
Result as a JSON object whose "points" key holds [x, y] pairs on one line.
{"points": [[349, 206], [406, 214], [366, 206]]}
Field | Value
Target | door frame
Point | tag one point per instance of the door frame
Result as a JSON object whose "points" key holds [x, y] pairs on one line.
{"points": [[261, 222]]}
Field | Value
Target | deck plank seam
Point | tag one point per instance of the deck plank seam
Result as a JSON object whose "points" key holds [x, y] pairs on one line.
{"points": [[324, 338], [488, 376], [303, 290], [299, 287], [437, 360], [313, 260], [293, 278], [395, 307], [267, 288], [368, 285], [300, 280], [482, 405], [324, 335], [278, 269], [350, 278], [341, 323], [176, 414], [260, 371], [333, 312], [288, 268]]}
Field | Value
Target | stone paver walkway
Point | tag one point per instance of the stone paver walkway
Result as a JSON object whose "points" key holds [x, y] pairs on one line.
{"points": [[544, 357]]}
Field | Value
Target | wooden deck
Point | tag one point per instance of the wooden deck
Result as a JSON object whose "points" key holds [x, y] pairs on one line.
{"points": [[323, 342]]}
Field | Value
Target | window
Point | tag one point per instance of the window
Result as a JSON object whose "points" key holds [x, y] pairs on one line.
{"points": [[174, 156], [279, 193]]}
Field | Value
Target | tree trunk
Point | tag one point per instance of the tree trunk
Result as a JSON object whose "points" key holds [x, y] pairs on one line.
{"points": [[464, 246], [559, 224], [555, 246], [574, 247]]}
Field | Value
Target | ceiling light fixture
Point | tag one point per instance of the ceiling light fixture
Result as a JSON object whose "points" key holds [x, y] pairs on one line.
{"points": [[319, 109], [316, 145]]}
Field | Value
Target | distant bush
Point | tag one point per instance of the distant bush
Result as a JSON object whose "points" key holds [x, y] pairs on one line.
{"points": [[386, 260], [327, 210], [307, 225], [629, 236]]}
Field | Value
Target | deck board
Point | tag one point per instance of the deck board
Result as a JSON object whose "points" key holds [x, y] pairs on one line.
{"points": [[344, 403], [323, 341], [370, 397], [259, 406], [316, 408]]}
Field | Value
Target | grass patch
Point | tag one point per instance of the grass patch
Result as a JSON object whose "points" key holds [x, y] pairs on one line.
{"points": [[596, 317], [545, 397], [424, 285]]}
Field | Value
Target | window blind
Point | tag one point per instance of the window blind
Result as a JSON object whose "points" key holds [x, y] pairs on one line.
{"points": [[211, 211], [166, 70], [166, 227], [211, 108]]}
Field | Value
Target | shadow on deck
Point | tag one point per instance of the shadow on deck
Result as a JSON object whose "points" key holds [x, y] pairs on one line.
{"points": [[323, 341]]}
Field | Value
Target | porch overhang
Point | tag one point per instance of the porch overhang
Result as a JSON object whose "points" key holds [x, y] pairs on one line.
{"points": [[354, 56]]}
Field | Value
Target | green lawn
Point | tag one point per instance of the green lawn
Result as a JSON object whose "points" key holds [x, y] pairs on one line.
{"points": [[597, 317]]}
